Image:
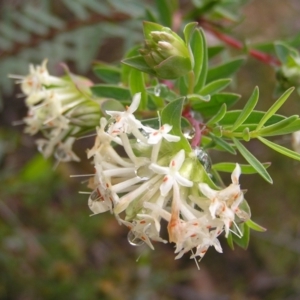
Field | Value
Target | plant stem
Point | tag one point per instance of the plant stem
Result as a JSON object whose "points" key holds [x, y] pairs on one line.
{"points": [[229, 40]]}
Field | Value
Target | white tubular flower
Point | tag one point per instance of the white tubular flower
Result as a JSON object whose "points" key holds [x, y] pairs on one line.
{"points": [[162, 133], [125, 122], [172, 173], [59, 107], [224, 203]]}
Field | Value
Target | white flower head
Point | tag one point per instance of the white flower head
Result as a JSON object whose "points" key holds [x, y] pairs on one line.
{"points": [[163, 132]]}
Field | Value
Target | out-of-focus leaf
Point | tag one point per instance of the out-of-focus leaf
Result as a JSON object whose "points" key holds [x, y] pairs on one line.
{"points": [[218, 116], [107, 73], [215, 86], [111, 91], [280, 149], [224, 70], [255, 226]]}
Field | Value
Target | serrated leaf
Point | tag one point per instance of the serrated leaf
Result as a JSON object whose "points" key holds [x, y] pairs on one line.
{"points": [[270, 130], [215, 86], [171, 114], [108, 74], [251, 103], [222, 144], [272, 110], [111, 91], [255, 226], [285, 151], [137, 85], [229, 167], [208, 109], [252, 160], [218, 116], [199, 49], [138, 62], [224, 70]]}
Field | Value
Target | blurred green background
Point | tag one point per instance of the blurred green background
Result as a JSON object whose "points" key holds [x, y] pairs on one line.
{"points": [[49, 246]]}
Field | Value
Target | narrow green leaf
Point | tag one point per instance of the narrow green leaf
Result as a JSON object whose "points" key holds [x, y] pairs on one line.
{"points": [[215, 86], [283, 51], [111, 91], [137, 85], [138, 62], [222, 143], [285, 151], [199, 49], [108, 74], [171, 114], [208, 109], [247, 109], [218, 116], [214, 50], [252, 160], [224, 70], [188, 33], [126, 69], [198, 98], [255, 226], [165, 12], [265, 131], [272, 110], [294, 126], [229, 167]]}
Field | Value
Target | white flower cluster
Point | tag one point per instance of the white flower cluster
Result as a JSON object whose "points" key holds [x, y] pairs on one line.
{"points": [[51, 102], [141, 179]]}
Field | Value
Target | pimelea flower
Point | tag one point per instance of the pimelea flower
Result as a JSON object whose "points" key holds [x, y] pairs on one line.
{"points": [[58, 107], [148, 180]]}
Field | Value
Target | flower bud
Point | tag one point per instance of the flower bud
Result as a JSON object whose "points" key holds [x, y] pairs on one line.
{"points": [[165, 52]]}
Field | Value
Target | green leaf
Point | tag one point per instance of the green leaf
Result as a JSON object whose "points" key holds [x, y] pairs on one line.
{"points": [[198, 98], [252, 160], [253, 119], [148, 27], [107, 73], [224, 70], [294, 126], [199, 49], [230, 241], [138, 62], [171, 114], [173, 67], [111, 91], [229, 167], [242, 242], [208, 109], [283, 51], [165, 12], [247, 109], [126, 69], [275, 128], [272, 110], [214, 50], [222, 143], [285, 151], [188, 33], [218, 116], [255, 226], [215, 86], [137, 85]]}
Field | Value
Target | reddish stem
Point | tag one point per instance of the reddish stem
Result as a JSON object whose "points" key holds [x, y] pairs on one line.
{"points": [[196, 124], [266, 58]]}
